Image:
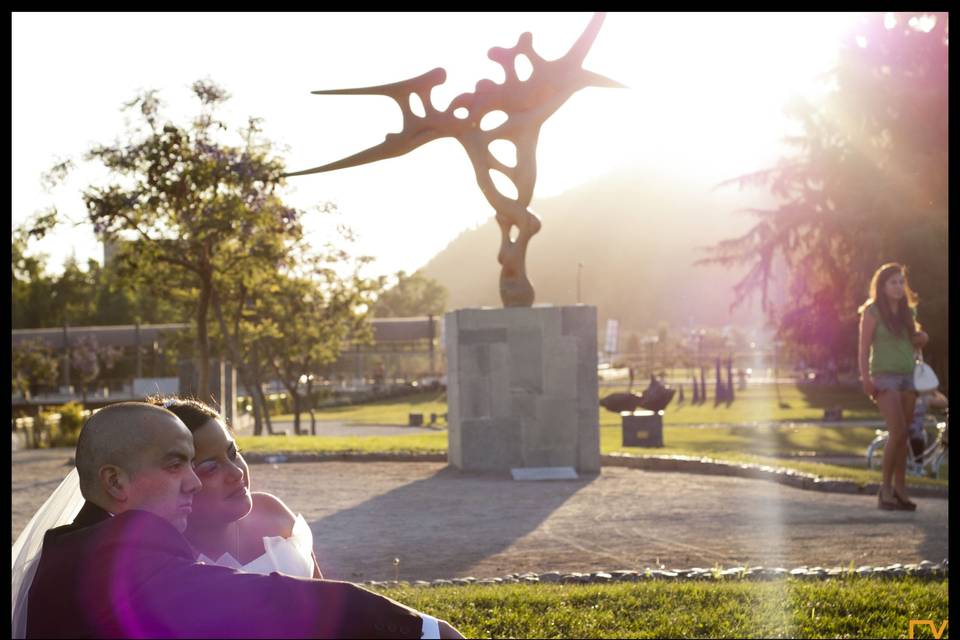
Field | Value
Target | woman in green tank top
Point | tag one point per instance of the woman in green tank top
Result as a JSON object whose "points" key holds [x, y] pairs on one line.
{"points": [[889, 336]]}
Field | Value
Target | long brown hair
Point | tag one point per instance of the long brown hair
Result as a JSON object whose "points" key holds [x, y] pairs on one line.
{"points": [[193, 413], [900, 320]]}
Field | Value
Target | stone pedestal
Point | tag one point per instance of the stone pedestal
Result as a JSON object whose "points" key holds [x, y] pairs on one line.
{"points": [[522, 388]]}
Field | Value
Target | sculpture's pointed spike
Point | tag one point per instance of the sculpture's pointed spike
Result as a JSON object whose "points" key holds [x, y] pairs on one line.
{"points": [[377, 152], [597, 80], [430, 78], [580, 48], [396, 144]]}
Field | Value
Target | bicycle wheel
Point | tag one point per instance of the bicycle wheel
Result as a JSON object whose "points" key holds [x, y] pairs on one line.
{"points": [[940, 466], [875, 452]]}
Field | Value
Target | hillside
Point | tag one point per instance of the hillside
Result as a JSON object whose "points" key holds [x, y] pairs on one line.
{"points": [[637, 236]]}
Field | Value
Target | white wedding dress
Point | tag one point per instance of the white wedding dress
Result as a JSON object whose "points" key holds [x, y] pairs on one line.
{"points": [[291, 556]]}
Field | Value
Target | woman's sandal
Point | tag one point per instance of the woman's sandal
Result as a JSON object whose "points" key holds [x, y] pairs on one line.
{"points": [[903, 503], [888, 505]]}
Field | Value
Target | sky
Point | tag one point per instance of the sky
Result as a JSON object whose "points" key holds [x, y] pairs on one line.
{"points": [[705, 99]]}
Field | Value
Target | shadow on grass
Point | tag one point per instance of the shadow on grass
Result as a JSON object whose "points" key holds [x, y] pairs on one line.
{"points": [[847, 398], [464, 525], [786, 439]]}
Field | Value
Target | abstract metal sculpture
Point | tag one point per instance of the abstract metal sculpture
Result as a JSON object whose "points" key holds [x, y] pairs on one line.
{"points": [[526, 103], [654, 398]]}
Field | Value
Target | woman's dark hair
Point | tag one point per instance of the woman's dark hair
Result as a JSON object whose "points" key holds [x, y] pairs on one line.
{"points": [[191, 411], [900, 320]]}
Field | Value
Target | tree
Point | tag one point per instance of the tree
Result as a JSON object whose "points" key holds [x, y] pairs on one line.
{"points": [[193, 209], [33, 364], [311, 321], [30, 286], [413, 295], [96, 295], [88, 358], [286, 312], [866, 185]]}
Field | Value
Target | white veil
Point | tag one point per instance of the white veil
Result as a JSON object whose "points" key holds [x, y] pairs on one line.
{"points": [[60, 508]]}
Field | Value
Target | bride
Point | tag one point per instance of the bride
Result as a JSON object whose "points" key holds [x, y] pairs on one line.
{"points": [[229, 525]]}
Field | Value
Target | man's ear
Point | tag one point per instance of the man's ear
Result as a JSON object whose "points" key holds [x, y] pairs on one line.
{"points": [[114, 482]]}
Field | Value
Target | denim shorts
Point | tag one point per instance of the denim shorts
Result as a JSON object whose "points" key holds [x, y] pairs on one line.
{"points": [[893, 382]]}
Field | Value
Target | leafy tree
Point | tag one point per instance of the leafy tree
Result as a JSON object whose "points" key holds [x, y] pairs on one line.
{"points": [[88, 358], [74, 295], [31, 288], [292, 324], [33, 364], [95, 295], [866, 185], [192, 208], [286, 310], [412, 295]]}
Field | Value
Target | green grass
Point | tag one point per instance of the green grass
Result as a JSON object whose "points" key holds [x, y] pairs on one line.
{"points": [[722, 446], [846, 608], [391, 411], [768, 440], [757, 403], [754, 429], [417, 443]]}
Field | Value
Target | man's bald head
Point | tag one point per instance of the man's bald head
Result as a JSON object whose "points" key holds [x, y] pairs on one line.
{"points": [[119, 434]]}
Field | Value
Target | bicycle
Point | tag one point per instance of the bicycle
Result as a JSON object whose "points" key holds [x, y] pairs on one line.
{"points": [[933, 462]]}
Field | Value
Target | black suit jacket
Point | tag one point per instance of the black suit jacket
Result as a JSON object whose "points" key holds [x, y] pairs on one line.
{"points": [[133, 575]]}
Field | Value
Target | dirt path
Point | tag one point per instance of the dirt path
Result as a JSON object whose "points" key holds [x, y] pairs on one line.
{"points": [[444, 524]]}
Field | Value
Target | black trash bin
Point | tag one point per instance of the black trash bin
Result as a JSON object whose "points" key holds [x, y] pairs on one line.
{"points": [[643, 429]]}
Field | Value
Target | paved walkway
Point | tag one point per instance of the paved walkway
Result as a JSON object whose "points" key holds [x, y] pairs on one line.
{"points": [[444, 524]]}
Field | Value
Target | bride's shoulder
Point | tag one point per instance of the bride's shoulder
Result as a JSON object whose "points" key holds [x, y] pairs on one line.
{"points": [[271, 516]]}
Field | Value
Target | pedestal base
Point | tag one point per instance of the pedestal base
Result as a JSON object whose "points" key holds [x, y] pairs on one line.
{"points": [[522, 388], [642, 429]]}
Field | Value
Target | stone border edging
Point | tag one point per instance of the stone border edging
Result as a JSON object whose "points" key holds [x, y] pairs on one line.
{"points": [[790, 477], [924, 569], [682, 464], [257, 457]]}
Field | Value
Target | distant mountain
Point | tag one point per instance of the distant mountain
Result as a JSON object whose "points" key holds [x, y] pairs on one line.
{"points": [[637, 236]]}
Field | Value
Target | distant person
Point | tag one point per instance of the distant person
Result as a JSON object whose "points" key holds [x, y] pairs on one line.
{"points": [[124, 569], [889, 336]]}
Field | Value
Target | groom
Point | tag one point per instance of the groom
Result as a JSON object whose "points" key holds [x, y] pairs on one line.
{"points": [[123, 569]]}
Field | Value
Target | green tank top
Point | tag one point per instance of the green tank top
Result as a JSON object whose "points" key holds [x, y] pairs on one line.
{"points": [[889, 353]]}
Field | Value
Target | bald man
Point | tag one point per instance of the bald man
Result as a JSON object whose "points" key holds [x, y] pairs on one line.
{"points": [[122, 569]]}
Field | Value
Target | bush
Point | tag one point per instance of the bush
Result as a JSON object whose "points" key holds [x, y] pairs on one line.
{"points": [[65, 431], [71, 418]]}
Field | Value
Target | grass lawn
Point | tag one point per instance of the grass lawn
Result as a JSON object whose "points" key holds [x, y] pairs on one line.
{"points": [[846, 608], [391, 411], [757, 403], [717, 443], [753, 429], [418, 443]]}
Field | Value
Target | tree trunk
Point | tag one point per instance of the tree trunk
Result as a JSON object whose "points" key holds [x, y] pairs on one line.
{"points": [[245, 380], [203, 341], [310, 407], [296, 411], [257, 419], [264, 406]]}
